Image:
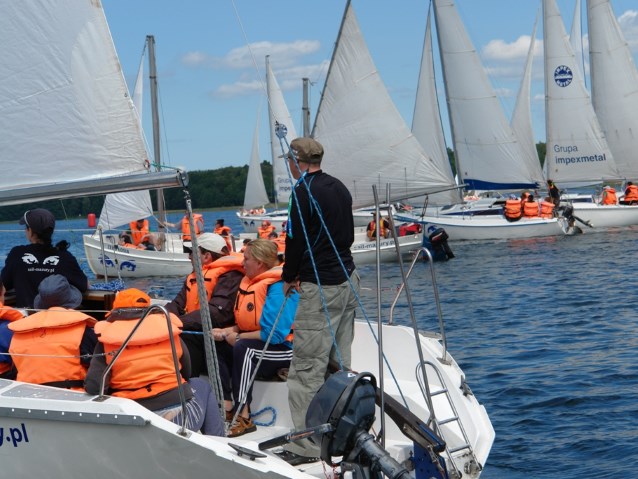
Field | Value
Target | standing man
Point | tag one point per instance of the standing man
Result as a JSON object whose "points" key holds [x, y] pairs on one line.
{"points": [[323, 331], [554, 193]]}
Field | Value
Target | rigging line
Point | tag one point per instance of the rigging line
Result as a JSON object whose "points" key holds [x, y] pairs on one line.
{"points": [[283, 140], [252, 55]]}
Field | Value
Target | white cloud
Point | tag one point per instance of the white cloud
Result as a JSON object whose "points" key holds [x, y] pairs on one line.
{"points": [[282, 54], [288, 79], [499, 50]]}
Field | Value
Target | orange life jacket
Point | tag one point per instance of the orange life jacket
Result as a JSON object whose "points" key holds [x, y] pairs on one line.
{"points": [[280, 241], [8, 314], [372, 229], [251, 298], [547, 209], [631, 193], [198, 220], [145, 368], [609, 197], [513, 209], [50, 342], [212, 272], [530, 209], [139, 234], [264, 231], [220, 230]]}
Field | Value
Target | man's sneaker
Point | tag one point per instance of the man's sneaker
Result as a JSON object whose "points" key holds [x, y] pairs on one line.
{"points": [[241, 426], [295, 459]]}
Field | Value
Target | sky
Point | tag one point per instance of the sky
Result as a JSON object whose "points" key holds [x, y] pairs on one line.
{"points": [[210, 60]]}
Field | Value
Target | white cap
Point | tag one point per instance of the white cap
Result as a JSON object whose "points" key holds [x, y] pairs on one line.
{"points": [[212, 242]]}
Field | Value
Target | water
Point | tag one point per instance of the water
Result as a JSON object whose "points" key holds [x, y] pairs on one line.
{"points": [[546, 331]]}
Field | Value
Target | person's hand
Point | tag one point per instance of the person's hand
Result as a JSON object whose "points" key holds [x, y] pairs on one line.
{"points": [[290, 287], [218, 334]]}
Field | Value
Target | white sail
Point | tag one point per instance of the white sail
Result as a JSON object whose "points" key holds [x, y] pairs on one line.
{"points": [[77, 121], [121, 208], [255, 194], [426, 122], [366, 141], [278, 112], [576, 147], [614, 86], [576, 39], [522, 116], [488, 156]]}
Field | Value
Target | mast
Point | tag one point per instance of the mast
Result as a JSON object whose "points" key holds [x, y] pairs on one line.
{"points": [[150, 39], [305, 109]]}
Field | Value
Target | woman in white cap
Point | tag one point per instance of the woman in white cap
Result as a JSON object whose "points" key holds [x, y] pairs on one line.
{"points": [[27, 265]]}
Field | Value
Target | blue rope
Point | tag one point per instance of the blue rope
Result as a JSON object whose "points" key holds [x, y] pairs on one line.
{"points": [[261, 411], [113, 285]]}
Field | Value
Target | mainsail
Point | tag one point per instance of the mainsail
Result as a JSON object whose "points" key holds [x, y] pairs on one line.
{"points": [[366, 141], [426, 121], [488, 155], [255, 194], [278, 113], [577, 150], [68, 125], [614, 85]]}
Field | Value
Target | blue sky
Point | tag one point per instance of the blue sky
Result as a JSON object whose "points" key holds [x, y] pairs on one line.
{"points": [[210, 81]]}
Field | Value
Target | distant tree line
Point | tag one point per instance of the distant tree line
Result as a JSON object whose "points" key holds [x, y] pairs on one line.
{"points": [[223, 187], [219, 188]]}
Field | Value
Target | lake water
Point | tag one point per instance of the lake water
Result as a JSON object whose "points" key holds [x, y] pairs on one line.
{"points": [[546, 331]]}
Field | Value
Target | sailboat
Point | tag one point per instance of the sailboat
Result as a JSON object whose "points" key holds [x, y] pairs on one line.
{"points": [[488, 152], [579, 148], [78, 102], [105, 256]]}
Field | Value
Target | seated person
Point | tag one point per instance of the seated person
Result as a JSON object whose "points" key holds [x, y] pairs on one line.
{"points": [[7, 316], [223, 273], [145, 370], [631, 194], [257, 313], [531, 207], [125, 241], [23, 269], [54, 346], [609, 196], [371, 232], [141, 235]]}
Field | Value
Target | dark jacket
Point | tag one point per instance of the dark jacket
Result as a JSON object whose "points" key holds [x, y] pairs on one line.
{"points": [[334, 204]]}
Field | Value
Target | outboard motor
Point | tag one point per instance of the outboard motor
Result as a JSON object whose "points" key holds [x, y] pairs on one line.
{"points": [[438, 246], [346, 402]]}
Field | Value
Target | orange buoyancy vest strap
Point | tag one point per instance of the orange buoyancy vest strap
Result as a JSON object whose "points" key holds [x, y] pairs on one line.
{"points": [[198, 220], [46, 346], [212, 272], [513, 209], [251, 298], [530, 208], [145, 368], [138, 234]]}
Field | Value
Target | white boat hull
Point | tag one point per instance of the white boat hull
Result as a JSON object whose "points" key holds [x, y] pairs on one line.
{"points": [[364, 251], [493, 227], [135, 263], [252, 222], [606, 216], [49, 432]]}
